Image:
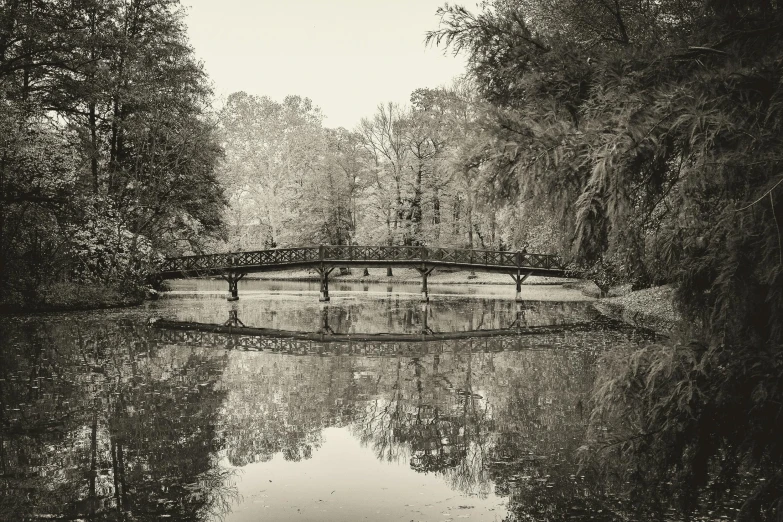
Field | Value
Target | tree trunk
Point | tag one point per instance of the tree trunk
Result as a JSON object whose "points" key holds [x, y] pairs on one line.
{"points": [[93, 149], [492, 229], [92, 116], [602, 287], [470, 224]]}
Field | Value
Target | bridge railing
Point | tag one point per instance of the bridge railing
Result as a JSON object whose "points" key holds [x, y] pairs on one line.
{"points": [[418, 345], [356, 253], [444, 255], [371, 253], [277, 256]]}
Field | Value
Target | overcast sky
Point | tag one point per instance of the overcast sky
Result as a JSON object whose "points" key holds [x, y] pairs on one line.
{"points": [[345, 55]]}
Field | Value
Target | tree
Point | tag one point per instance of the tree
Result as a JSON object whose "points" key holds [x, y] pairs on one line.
{"points": [[110, 100], [649, 131], [274, 169], [383, 137]]}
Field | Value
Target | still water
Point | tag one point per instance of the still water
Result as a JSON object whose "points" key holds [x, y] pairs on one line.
{"points": [[105, 417]]}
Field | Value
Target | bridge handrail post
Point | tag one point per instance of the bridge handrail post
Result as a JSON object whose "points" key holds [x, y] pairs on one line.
{"points": [[321, 253], [518, 257]]}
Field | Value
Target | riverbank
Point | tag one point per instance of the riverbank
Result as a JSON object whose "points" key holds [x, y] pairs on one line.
{"points": [[651, 308], [404, 276], [67, 297]]}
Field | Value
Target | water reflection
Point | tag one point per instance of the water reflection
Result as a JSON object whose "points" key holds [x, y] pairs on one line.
{"points": [[105, 418], [97, 421], [393, 313]]}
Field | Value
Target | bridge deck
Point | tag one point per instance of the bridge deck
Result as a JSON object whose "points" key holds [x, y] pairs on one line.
{"points": [[362, 256]]}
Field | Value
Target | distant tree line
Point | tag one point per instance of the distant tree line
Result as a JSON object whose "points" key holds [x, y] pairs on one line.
{"points": [[403, 176], [107, 150]]}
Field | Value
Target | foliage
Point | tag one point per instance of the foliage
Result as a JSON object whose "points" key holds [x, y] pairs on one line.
{"points": [[283, 168], [399, 178], [105, 132], [104, 249], [651, 131]]}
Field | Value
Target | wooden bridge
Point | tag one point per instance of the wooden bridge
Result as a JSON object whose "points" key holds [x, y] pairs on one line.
{"points": [[234, 266]]}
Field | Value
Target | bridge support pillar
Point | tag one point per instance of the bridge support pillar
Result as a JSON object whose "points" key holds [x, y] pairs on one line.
{"points": [[519, 278], [324, 297], [425, 273], [233, 319], [232, 278]]}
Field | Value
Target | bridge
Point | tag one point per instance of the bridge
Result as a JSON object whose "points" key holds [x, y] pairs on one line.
{"points": [[233, 266]]}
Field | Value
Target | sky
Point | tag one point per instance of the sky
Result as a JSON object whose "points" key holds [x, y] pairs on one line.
{"points": [[347, 56]]}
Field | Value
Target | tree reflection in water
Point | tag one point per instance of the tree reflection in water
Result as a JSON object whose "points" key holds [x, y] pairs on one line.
{"points": [[104, 420], [513, 420], [97, 422]]}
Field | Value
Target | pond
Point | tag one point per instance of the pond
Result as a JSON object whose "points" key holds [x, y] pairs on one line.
{"points": [[105, 416]]}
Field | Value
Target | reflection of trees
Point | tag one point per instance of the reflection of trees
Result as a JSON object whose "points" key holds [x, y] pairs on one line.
{"points": [[426, 410], [99, 422], [514, 419], [541, 423], [280, 404]]}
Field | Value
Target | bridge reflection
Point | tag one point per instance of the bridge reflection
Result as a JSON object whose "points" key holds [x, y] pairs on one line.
{"points": [[234, 335]]}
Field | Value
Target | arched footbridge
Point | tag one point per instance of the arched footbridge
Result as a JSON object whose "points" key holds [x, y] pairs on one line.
{"points": [[233, 266]]}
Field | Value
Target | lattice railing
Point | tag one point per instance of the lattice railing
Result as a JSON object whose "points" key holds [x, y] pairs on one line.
{"points": [[281, 256], [344, 253], [295, 346]]}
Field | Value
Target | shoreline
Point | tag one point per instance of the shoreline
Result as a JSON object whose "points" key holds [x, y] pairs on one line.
{"points": [[10, 309], [70, 297], [650, 308]]}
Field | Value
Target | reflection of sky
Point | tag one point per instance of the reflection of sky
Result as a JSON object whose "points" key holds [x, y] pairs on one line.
{"points": [[345, 481]]}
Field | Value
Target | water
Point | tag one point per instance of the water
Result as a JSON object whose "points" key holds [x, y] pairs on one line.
{"points": [[105, 417]]}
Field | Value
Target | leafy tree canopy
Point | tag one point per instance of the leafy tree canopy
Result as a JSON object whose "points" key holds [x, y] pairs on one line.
{"points": [[652, 130], [105, 130]]}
